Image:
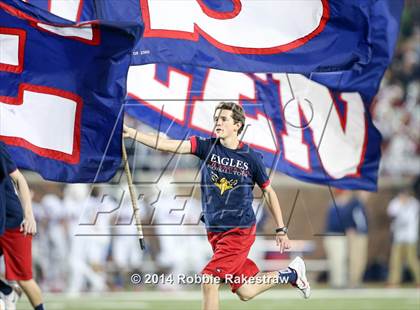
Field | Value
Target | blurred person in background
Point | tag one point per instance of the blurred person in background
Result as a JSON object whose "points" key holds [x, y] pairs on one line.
{"points": [[75, 196], [98, 208], [357, 234], [404, 212], [89, 232], [125, 252], [335, 240], [40, 240], [58, 242]]}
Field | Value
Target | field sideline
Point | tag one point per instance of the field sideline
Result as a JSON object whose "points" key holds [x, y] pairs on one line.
{"points": [[322, 299]]}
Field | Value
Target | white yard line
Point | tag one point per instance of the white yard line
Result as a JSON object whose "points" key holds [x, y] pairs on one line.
{"points": [[126, 297], [93, 304]]}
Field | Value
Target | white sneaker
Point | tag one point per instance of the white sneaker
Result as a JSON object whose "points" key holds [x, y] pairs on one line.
{"points": [[10, 300], [302, 283]]}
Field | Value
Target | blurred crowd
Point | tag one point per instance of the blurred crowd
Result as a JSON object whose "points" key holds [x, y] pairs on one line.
{"points": [[396, 110]]}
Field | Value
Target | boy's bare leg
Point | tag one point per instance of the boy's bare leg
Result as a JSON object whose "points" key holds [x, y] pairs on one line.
{"points": [[32, 291], [263, 282], [295, 274], [210, 289]]}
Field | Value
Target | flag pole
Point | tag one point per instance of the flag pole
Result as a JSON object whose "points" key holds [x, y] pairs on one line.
{"points": [[133, 197]]}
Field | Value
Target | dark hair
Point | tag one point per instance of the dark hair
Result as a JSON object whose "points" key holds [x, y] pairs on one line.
{"points": [[238, 113]]}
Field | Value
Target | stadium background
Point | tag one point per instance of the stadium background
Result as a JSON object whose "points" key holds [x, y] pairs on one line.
{"points": [[103, 281]]}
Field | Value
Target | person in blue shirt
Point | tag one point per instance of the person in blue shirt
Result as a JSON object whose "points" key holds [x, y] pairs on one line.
{"points": [[345, 241], [357, 234], [229, 171], [17, 225], [335, 240]]}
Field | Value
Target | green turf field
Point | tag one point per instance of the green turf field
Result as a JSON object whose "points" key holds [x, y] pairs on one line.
{"points": [[322, 299]]}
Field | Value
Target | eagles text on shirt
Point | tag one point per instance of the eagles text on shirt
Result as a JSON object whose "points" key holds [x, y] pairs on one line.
{"points": [[228, 177]]}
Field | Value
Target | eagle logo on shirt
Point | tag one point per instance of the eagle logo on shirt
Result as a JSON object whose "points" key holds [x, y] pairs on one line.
{"points": [[222, 183]]}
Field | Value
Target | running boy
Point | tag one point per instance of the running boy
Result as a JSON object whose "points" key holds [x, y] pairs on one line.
{"points": [[229, 172]]}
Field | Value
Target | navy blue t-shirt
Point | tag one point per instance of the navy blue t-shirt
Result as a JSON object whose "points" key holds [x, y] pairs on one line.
{"points": [[359, 220], [13, 208], [338, 218], [227, 179], [348, 215]]}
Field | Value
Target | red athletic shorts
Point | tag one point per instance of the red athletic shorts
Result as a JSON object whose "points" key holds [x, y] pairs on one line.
{"points": [[17, 251], [230, 251]]}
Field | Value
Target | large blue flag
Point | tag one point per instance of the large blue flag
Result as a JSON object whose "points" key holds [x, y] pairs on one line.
{"points": [[309, 131], [239, 35], [73, 10], [61, 91], [304, 129]]}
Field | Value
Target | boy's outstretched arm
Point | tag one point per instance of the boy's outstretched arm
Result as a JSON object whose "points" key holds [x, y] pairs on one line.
{"points": [[28, 225], [273, 204], [158, 143]]}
